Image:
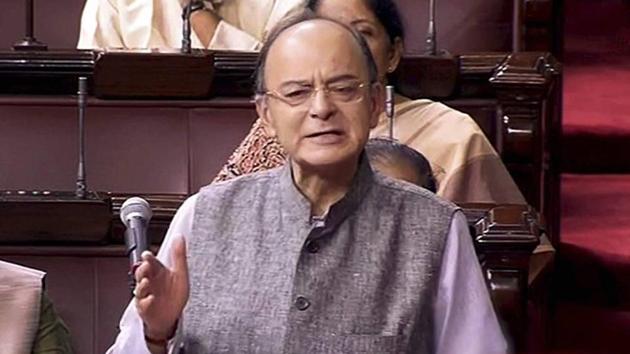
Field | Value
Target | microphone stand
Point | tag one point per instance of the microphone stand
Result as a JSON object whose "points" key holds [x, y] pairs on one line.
{"points": [[186, 30], [516, 27], [82, 101], [29, 42], [389, 108], [431, 74], [431, 40]]}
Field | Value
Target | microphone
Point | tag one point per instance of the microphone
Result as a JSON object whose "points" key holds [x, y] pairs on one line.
{"points": [[431, 40], [135, 213], [389, 108]]}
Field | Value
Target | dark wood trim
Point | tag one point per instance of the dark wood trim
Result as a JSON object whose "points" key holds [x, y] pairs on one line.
{"points": [[71, 101], [527, 85]]}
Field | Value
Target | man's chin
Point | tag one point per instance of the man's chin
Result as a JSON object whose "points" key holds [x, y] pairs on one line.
{"points": [[327, 160]]}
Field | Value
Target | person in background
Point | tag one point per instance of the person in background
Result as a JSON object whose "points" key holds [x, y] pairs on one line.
{"points": [[215, 24], [321, 255], [397, 160], [466, 167], [28, 321]]}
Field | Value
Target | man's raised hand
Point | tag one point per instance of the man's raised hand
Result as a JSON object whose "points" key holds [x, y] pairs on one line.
{"points": [[161, 292]]}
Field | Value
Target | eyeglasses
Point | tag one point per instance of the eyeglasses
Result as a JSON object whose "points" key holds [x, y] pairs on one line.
{"points": [[340, 92]]}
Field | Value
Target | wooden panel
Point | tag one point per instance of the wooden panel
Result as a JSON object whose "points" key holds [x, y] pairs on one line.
{"points": [[113, 295], [214, 134], [37, 141], [148, 145], [462, 25], [135, 150]]}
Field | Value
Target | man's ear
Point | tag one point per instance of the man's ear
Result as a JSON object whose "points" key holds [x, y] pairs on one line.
{"points": [[262, 109], [395, 54], [377, 103]]}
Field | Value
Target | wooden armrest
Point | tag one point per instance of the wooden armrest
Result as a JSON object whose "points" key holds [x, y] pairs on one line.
{"points": [[505, 238]]}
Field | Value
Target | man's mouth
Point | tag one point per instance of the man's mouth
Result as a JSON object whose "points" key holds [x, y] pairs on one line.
{"points": [[326, 137], [325, 132]]}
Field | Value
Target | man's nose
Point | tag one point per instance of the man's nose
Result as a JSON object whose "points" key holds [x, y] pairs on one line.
{"points": [[322, 107]]}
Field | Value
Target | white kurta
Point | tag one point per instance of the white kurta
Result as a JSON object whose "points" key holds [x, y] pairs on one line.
{"points": [[136, 24], [20, 299]]}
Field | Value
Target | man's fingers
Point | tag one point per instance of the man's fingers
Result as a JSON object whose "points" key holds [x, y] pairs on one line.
{"points": [[144, 305], [180, 265], [143, 288], [149, 268], [147, 255]]}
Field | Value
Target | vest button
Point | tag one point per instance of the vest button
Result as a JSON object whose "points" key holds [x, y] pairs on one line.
{"points": [[302, 303], [312, 246]]}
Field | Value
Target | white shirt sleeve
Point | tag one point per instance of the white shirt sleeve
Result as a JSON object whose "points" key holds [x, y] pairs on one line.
{"points": [[465, 321], [228, 37], [131, 336]]}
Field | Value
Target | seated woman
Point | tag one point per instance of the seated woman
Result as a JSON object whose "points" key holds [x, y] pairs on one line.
{"points": [[215, 24], [464, 163], [396, 160]]}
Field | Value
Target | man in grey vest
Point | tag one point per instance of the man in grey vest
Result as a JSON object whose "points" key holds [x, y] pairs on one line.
{"points": [[322, 255]]}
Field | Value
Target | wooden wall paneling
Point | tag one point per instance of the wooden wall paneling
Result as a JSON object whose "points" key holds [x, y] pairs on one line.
{"points": [[56, 22], [128, 148], [539, 25], [137, 149], [113, 296], [462, 25], [38, 140], [214, 134]]}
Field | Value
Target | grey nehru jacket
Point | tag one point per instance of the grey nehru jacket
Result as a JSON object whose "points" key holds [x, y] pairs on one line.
{"points": [[265, 279]]}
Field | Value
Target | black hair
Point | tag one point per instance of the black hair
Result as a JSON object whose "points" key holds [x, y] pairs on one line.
{"points": [[389, 151], [298, 17], [385, 11]]}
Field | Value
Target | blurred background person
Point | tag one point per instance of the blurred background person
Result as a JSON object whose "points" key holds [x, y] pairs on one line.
{"points": [[28, 321], [397, 160], [216, 24]]}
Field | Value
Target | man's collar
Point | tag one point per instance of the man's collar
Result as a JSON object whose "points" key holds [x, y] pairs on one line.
{"points": [[295, 204]]}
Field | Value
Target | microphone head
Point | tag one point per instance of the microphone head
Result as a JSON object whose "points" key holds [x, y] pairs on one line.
{"points": [[135, 207]]}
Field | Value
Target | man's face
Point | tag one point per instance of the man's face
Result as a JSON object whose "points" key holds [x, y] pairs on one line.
{"points": [[331, 126]]}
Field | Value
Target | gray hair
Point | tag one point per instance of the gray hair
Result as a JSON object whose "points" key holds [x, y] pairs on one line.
{"points": [[297, 18]]}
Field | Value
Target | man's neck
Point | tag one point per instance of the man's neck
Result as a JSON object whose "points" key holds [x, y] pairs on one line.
{"points": [[324, 188]]}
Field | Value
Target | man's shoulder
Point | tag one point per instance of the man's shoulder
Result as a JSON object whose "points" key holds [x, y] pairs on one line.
{"points": [[412, 194], [243, 184]]}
